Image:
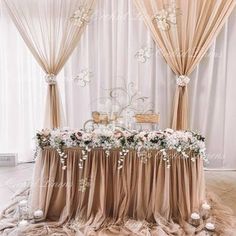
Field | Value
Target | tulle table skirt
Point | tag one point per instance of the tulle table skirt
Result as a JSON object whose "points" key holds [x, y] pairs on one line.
{"points": [[141, 190]]}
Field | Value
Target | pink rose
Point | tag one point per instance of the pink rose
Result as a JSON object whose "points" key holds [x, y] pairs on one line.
{"points": [[78, 135], [45, 132], [117, 134]]}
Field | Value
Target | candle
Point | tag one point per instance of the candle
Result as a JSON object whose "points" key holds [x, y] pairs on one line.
{"points": [[205, 211], [23, 203], [38, 214], [210, 226], [195, 216], [206, 206], [23, 223], [195, 219]]}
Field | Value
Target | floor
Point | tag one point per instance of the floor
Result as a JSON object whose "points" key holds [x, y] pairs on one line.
{"points": [[13, 179]]}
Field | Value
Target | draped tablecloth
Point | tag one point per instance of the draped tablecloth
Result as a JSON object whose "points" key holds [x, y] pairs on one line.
{"points": [[143, 190]]}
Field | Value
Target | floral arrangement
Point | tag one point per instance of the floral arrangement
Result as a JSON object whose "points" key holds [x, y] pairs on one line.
{"points": [[81, 16], [108, 138]]}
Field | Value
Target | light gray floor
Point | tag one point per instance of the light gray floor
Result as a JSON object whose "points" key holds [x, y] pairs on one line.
{"points": [[13, 179]]}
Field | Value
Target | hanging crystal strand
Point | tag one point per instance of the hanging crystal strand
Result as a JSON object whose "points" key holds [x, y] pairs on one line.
{"points": [[122, 154], [143, 155], [63, 157], [84, 157], [107, 152], [165, 157]]}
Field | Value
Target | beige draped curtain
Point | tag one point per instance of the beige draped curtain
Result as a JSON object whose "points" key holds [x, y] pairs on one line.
{"points": [[51, 29], [184, 30]]}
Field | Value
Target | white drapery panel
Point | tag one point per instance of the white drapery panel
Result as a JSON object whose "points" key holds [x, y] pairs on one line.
{"points": [[120, 33], [22, 92], [51, 30]]}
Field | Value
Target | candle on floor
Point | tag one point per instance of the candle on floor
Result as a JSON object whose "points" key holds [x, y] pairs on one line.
{"points": [[210, 226], [23, 223], [23, 203], [195, 219], [38, 214], [205, 211]]}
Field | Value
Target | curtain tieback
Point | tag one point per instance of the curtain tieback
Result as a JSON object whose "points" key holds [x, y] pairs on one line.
{"points": [[50, 79], [182, 80]]}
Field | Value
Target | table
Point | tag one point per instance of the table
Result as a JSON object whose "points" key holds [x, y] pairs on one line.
{"points": [[113, 182]]}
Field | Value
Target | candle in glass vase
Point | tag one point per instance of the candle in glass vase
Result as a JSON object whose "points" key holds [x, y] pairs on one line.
{"points": [[210, 226], [23, 203], [205, 212], [23, 223], [195, 219], [38, 214], [23, 209]]}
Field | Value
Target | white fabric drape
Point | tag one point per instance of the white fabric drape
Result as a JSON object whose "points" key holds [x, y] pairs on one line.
{"points": [[22, 92], [120, 33], [108, 49], [51, 30]]}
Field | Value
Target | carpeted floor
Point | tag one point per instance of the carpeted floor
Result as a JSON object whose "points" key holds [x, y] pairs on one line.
{"points": [[223, 183]]}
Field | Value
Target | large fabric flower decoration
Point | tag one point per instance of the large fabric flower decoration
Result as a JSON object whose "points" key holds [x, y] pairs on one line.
{"points": [[81, 16], [143, 54], [83, 78], [166, 17]]}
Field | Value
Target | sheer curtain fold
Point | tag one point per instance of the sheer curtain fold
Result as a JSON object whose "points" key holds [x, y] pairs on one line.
{"points": [[184, 31], [51, 35]]}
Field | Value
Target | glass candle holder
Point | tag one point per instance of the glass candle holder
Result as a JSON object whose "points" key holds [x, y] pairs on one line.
{"points": [[195, 219], [38, 215], [23, 223], [23, 211], [205, 211], [210, 228]]}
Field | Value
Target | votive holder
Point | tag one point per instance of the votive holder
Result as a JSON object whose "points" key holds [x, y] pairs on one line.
{"points": [[210, 228], [195, 219], [205, 211], [38, 215]]}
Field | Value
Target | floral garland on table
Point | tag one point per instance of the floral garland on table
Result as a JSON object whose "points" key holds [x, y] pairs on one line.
{"points": [[107, 139]]}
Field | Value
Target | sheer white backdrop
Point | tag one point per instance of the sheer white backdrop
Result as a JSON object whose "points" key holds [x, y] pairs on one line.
{"points": [[22, 92], [107, 50]]}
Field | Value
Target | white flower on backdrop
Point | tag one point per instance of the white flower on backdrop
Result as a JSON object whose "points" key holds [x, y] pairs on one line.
{"points": [[81, 16], [143, 54], [83, 78], [166, 17]]}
